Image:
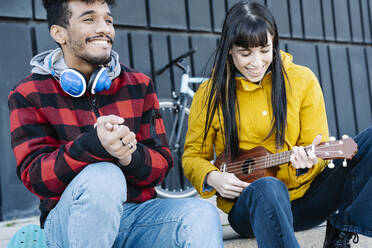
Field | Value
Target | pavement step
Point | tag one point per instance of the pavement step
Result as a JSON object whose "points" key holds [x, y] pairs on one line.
{"points": [[308, 239]]}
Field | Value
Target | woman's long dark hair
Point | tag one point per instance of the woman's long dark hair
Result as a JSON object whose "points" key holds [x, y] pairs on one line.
{"points": [[246, 25]]}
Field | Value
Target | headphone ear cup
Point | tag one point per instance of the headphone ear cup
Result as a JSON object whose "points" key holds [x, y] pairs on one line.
{"points": [[72, 82], [99, 80]]}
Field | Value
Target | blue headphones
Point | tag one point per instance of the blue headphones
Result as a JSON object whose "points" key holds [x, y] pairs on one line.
{"points": [[74, 83]]}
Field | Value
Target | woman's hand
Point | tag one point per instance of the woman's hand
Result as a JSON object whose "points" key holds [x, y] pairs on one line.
{"points": [[301, 159], [226, 184]]}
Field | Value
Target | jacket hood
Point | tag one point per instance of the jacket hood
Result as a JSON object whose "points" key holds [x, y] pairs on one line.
{"points": [[42, 63], [287, 59]]}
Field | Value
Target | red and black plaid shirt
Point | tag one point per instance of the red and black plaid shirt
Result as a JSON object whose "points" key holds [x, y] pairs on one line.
{"points": [[53, 137]]}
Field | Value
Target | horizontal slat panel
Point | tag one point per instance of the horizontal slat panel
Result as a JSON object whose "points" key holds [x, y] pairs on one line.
{"points": [[40, 12], [199, 15], [356, 21], [230, 3], [312, 19], [342, 20], [368, 52], [179, 44], [304, 54], [328, 20], [129, 12], [43, 39], [121, 47], [161, 58], [218, 10], [325, 79], [341, 82], [141, 52], [367, 22], [16, 52], [16, 8], [15, 55], [362, 101], [296, 19], [204, 46], [279, 9], [167, 14]]}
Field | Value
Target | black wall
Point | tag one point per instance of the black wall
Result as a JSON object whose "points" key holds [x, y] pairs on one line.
{"points": [[332, 37]]}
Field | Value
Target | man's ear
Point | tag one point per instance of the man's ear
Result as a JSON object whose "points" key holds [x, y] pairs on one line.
{"points": [[58, 34]]}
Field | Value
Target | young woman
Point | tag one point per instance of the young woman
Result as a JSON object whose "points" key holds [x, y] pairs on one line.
{"points": [[258, 97]]}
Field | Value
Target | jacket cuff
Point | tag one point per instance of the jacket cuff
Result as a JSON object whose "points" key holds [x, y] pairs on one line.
{"points": [[138, 160], [90, 143], [206, 186]]}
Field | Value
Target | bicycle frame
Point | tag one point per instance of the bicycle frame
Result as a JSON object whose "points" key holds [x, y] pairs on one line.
{"points": [[175, 129], [185, 80], [182, 101]]}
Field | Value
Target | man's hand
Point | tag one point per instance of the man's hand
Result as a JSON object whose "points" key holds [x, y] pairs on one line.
{"points": [[226, 184], [301, 159], [116, 138]]}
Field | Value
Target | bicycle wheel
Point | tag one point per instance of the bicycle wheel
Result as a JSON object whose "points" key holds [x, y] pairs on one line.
{"points": [[175, 184]]}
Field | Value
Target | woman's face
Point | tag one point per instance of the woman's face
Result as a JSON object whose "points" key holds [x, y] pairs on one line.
{"points": [[253, 62]]}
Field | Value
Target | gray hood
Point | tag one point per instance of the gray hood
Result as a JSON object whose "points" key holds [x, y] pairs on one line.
{"points": [[40, 63]]}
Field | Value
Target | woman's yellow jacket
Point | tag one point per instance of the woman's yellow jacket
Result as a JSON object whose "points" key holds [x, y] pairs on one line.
{"points": [[306, 118]]}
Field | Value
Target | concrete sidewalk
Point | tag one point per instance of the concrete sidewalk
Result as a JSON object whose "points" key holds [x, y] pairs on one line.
{"points": [[308, 239]]}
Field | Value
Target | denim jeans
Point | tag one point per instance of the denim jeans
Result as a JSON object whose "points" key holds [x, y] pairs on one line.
{"points": [[341, 194], [92, 212]]}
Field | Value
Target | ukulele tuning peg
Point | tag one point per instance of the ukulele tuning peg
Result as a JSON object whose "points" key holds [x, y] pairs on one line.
{"points": [[345, 136], [331, 165], [332, 138], [344, 163]]}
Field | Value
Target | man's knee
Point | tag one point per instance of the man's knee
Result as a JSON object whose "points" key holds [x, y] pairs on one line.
{"points": [[102, 181], [202, 223], [204, 212]]}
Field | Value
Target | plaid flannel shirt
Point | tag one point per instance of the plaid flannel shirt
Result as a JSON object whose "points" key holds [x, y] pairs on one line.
{"points": [[53, 135]]}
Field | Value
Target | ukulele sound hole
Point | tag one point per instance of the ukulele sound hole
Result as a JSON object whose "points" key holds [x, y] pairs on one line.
{"points": [[247, 166]]}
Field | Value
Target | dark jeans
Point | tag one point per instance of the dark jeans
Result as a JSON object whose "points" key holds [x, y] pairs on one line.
{"points": [[344, 195]]}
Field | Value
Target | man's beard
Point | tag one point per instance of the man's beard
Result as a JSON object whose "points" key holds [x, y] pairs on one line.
{"points": [[96, 60], [77, 47]]}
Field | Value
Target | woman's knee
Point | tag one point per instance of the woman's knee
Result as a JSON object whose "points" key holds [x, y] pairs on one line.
{"points": [[364, 137], [266, 189], [269, 185]]}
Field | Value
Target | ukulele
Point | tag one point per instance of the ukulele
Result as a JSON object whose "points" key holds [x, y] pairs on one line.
{"points": [[259, 162]]}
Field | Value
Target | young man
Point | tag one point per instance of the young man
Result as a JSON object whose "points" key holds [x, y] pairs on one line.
{"points": [[90, 143]]}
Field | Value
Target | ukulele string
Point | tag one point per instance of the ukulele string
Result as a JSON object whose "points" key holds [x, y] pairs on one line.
{"points": [[251, 166], [264, 159], [257, 164]]}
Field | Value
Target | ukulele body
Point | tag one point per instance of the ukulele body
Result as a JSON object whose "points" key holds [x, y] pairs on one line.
{"points": [[243, 165]]}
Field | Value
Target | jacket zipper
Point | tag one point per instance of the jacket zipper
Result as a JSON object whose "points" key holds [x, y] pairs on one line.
{"points": [[94, 105]]}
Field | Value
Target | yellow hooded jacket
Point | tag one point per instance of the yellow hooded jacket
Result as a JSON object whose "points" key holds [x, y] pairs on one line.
{"points": [[306, 118]]}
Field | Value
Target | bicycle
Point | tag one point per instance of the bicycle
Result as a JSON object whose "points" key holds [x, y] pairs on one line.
{"points": [[175, 112]]}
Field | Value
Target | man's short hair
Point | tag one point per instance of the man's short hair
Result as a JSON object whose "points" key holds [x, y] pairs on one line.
{"points": [[58, 12]]}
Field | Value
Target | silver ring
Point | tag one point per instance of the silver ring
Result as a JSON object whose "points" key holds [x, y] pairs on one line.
{"points": [[130, 145]]}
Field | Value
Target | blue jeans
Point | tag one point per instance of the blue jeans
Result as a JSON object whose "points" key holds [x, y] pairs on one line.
{"points": [[92, 213], [342, 195]]}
